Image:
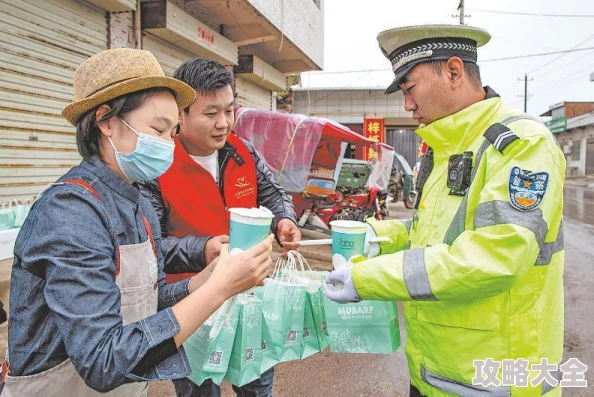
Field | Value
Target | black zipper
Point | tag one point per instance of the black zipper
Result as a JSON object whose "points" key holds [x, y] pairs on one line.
{"points": [[221, 179]]}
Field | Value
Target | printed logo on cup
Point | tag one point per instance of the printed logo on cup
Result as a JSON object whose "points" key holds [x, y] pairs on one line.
{"points": [[348, 240], [345, 244]]}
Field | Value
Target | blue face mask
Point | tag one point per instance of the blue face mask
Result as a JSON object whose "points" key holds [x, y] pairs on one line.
{"points": [[151, 158]]}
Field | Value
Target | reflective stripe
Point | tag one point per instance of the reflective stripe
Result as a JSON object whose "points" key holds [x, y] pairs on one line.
{"points": [[498, 212], [407, 223], [458, 224], [460, 388], [519, 117], [415, 275], [548, 249], [558, 375]]}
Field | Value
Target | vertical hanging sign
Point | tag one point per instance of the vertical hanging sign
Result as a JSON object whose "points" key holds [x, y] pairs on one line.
{"points": [[374, 130]]}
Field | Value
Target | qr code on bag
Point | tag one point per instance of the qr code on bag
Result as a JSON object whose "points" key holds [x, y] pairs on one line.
{"points": [[306, 332], [263, 345], [215, 357], [249, 354], [292, 335]]}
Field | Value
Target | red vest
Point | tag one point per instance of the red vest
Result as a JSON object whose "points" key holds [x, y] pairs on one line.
{"points": [[195, 203]]}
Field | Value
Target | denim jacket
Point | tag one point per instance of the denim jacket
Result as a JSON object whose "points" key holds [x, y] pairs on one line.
{"points": [[64, 302]]}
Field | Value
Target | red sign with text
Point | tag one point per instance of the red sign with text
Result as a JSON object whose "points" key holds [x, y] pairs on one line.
{"points": [[374, 130]]}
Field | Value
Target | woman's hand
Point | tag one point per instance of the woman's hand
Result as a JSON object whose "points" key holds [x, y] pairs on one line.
{"points": [[201, 278], [241, 272], [230, 276]]}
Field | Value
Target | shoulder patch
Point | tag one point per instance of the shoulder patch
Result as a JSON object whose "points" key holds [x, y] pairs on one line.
{"points": [[527, 188], [500, 136]]}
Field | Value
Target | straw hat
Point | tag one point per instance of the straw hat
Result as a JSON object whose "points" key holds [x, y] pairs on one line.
{"points": [[113, 73]]}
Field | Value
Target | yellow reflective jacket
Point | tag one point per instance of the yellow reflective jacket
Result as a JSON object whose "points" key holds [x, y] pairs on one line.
{"points": [[481, 275]]}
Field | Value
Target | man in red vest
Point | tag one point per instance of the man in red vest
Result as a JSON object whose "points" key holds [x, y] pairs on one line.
{"points": [[213, 170]]}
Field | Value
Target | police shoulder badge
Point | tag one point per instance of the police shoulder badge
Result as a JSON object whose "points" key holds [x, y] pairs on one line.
{"points": [[527, 188]]}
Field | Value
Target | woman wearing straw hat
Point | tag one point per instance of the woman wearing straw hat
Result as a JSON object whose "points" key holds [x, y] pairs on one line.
{"points": [[90, 310]]}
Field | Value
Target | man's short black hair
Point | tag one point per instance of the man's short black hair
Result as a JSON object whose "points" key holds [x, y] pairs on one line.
{"points": [[204, 75], [87, 126]]}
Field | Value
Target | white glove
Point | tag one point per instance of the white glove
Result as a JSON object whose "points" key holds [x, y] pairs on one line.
{"points": [[371, 250], [339, 286]]}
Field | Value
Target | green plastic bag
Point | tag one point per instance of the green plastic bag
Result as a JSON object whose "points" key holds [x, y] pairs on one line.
{"points": [[209, 348], [246, 355], [20, 214], [362, 327], [269, 352], [316, 302], [314, 328], [311, 343], [283, 306], [6, 217]]}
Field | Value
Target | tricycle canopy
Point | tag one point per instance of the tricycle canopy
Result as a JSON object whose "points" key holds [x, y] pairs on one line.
{"points": [[303, 153]]}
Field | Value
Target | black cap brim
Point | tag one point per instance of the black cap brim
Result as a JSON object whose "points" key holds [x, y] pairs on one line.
{"points": [[395, 86]]}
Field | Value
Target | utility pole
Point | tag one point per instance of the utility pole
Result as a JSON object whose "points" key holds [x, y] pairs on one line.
{"points": [[461, 12], [526, 80]]}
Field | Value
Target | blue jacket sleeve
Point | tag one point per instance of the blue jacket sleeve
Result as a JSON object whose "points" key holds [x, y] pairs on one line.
{"points": [[70, 243]]}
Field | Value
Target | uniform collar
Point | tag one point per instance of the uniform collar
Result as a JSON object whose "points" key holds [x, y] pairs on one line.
{"points": [[111, 179], [454, 133]]}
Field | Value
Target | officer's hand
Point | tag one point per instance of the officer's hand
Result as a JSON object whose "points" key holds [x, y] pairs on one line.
{"points": [[370, 250], [343, 290], [212, 249]]}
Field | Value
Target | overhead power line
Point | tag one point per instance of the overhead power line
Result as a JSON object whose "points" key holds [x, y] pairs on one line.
{"points": [[571, 63], [538, 55], [562, 55], [575, 75], [570, 78], [532, 14], [480, 61]]}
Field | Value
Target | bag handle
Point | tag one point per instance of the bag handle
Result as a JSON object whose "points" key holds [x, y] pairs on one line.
{"points": [[300, 259], [283, 268], [221, 317]]}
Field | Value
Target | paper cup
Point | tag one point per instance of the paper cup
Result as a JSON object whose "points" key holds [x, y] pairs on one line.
{"points": [[249, 226], [348, 240]]}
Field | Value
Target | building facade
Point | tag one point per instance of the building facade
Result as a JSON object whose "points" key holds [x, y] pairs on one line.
{"points": [[573, 126], [351, 106], [42, 42]]}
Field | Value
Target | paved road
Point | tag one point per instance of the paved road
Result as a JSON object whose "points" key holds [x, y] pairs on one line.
{"points": [[340, 375], [579, 204]]}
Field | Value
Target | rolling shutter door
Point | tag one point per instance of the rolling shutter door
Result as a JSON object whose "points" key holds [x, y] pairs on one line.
{"points": [[169, 56], [41, 44], [252, 95]]}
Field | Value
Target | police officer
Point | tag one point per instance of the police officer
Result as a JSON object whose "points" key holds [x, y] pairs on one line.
{"points": [[479, 267]]}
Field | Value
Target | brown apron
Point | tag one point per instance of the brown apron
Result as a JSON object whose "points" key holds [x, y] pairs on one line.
{"points": [[137, 279]]}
